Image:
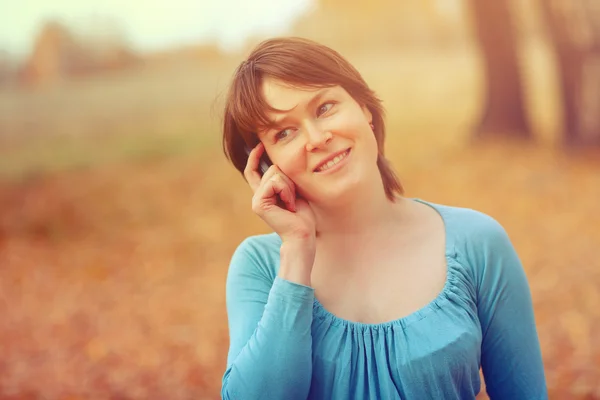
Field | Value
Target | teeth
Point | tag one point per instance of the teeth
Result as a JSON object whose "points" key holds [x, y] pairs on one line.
{"points": [[333, 162]]}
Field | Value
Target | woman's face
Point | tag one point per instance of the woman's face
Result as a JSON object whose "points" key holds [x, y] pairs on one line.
{"points": [[319, 123]]}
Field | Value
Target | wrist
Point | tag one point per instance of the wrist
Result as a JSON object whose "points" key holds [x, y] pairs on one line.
{"points": [[296, 261], [299, 237]]}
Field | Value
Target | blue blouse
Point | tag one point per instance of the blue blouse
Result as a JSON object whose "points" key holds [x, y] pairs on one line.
{"points": [[285, 345]]}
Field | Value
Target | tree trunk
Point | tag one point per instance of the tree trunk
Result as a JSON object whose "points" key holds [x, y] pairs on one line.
{"points": [[574, 30], [504, 111]]}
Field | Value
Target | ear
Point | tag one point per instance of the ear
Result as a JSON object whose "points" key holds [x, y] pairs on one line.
{"points": [[367, 113]]}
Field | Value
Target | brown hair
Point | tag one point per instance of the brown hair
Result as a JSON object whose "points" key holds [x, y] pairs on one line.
{"points": [[304, 63]]}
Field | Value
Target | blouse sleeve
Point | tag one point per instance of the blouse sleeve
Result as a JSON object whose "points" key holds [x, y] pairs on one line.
{"points": [[511, 358], [270, 349]]}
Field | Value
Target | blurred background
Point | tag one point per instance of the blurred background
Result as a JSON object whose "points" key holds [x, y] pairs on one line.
{"points": [[119, 212]]}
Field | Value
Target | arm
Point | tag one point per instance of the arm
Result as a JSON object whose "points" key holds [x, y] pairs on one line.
{"points": [[511, 357], [270, 354]]}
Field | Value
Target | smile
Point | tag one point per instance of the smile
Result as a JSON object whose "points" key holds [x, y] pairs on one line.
{"points": [[331, 164]]}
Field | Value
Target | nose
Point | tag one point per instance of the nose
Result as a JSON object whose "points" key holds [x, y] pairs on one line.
{"points": [[316, 138]]}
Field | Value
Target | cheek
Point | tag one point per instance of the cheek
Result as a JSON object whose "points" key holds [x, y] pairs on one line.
{"points": [[292, 161], [350, 124]]}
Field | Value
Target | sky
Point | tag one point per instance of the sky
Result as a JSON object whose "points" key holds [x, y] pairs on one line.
{"points": [[151, 25]]}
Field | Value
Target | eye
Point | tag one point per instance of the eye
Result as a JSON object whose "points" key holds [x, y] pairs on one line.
{"points": [[283, 134], [324, 108]]}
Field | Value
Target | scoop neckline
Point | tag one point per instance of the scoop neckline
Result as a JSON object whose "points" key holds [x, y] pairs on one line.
{"points": [[405, 321]]}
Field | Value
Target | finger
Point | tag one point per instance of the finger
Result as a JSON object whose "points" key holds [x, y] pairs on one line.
{"points": [[251, 172], [292, 189], [282, 186], [289, 196], [271, 171], [269, 191]]}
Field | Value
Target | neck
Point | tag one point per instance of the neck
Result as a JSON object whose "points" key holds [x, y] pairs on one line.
{"points": [[365, 212]]}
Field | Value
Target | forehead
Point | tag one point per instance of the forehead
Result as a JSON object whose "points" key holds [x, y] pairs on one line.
{"points": [[284, 96]]}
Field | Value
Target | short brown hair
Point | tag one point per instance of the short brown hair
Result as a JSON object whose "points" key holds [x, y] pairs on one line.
{"points": [[304, 63]]}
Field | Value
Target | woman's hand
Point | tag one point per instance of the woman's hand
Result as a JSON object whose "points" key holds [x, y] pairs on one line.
{"points": [[294, 220]]}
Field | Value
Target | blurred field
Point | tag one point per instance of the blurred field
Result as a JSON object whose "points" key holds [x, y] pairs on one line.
{"points": [[118, 215]]}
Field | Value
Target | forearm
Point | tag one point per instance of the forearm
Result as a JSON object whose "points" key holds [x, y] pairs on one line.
{"points": [[276, 362]]}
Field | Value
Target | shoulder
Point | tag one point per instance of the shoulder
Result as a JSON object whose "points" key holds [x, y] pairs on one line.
{"points": [[481, 246], [466, 227], [256, 255], [259, 245], [472, 236]]}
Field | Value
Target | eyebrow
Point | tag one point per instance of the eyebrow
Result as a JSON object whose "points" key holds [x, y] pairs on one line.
{"points": [[315, 99]]}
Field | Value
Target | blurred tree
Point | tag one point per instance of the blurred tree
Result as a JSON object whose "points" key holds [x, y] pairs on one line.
{"points": [[504, 111], [574, 30], [351, 27]]}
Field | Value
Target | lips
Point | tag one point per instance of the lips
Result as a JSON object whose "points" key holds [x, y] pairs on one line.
{"points": [[329, 158]]}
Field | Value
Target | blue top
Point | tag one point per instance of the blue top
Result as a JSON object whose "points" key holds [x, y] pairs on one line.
{"points": [[285, 345]]}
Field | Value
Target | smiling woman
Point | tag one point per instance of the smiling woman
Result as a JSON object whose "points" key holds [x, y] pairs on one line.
{"points": [[359, 292], [264, 97]]}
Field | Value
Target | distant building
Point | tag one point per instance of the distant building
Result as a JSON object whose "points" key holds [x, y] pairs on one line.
{"points": [[7, 69], [59, 54]]}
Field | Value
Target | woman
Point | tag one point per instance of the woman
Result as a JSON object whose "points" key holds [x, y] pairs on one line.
{"points": [[359, 293]]}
